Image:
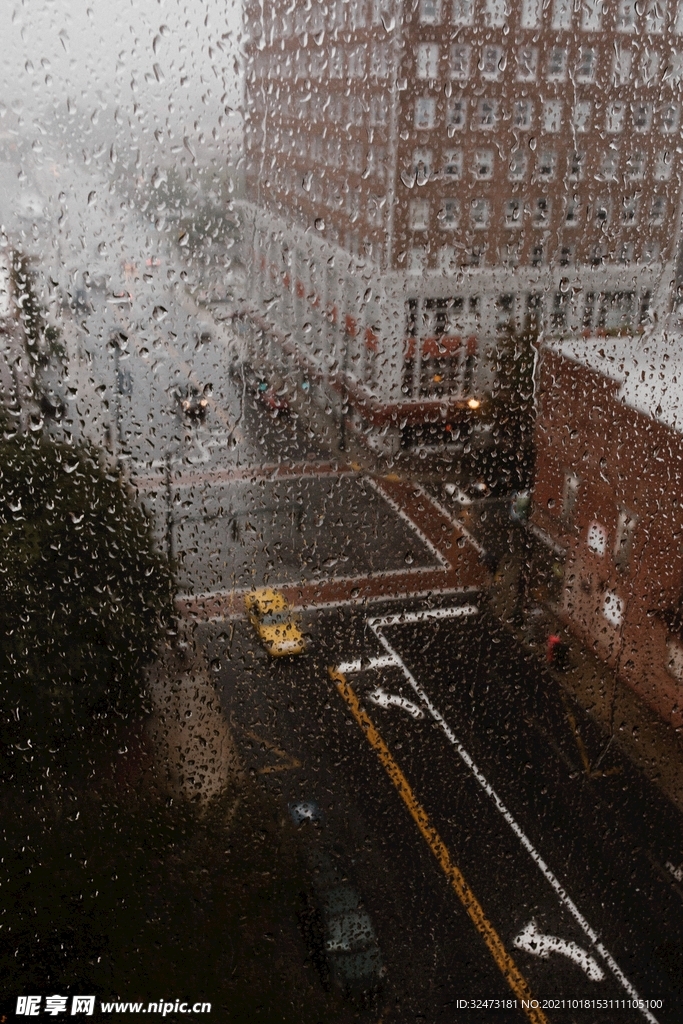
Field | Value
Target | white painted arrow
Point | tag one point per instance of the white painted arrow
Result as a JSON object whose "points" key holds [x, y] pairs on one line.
{"points": [[535, 942], [389, 700]]}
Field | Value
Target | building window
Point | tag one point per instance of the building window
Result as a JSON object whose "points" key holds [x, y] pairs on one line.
{"points": [[657, 210], [649, 66], [490, 63], [449, 214], [559, 311], [566, 257], [460, 62], [642, 116], [379, 62], [463, 12], [582, 115], [610, 163], [537, 255], [585, 69], [422, 165], [425, 112], [522, 114], [487, 113], [359, 15], [571, 217], [576, 165], [664, 165], [597, 256], [597, 538], [483, 164], [452, 167], [531, 13], [356, 110], [546, 164], [552, 116], [419, 215], [377, 115], [557, 64], [655, 17], [602, 209], [509, 254], [430, 12], [621, 66], [496, 13], [527, 63], [671, 116], [562, 14], [513, 213], [591, 15], [615, 117], [374, 210], [541, 215], [570, 491], [427, 63], [626, 17], [635, 165], [480, 214], [623, 542], [457, 114], [613, 608], [674, 654], [518, 163], [629, 213]]}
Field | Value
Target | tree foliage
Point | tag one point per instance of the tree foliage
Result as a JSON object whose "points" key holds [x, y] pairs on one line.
{"points": [[85, 600]]}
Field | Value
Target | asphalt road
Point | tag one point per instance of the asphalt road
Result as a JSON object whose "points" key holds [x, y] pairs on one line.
{"points": [[505, 881], [537, 847]]}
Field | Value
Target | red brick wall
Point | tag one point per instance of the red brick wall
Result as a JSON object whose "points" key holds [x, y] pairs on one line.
{"points": [[624, 461]]}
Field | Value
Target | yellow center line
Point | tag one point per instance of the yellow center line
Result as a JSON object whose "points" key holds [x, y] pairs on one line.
{"points": [[504, 961]]}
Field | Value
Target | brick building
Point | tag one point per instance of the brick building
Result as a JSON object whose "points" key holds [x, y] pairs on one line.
{"points": [[608, 502], [421, 175]]}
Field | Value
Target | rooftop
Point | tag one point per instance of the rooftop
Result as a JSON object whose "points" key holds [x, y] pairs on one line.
{"points": [[648, 367]]}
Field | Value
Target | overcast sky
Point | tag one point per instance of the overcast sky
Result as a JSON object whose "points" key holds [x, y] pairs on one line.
{"points": [[170, 66]]}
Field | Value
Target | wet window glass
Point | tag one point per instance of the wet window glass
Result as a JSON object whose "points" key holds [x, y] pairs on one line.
{"points": [[341, 475]]}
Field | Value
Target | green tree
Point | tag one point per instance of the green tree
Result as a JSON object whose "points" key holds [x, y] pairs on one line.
{"points": [[85, 601]]}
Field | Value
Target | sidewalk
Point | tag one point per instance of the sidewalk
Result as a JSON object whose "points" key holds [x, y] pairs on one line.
{"points": [[649, 742]]}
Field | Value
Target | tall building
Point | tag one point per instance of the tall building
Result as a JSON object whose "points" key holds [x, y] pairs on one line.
{"points": [[421, 176]]}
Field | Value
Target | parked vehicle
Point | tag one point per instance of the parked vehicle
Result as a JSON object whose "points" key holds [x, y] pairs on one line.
{"points": [[336, 926]]}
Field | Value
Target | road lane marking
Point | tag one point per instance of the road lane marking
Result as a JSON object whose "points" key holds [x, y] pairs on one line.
{"points": [[392, 700], [453, 519], [504, 961], [535, 942], [360, 665], [377, 487], [559, 890], [457, 612]]}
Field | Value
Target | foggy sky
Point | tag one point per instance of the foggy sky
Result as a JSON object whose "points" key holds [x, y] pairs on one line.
{"points": [[128, 67]]}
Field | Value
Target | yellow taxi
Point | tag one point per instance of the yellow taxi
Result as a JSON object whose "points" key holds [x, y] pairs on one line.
{"points": [[274, 621]]}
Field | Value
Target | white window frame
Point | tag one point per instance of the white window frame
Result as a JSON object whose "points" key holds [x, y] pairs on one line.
{"points": [[425, 113]]}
